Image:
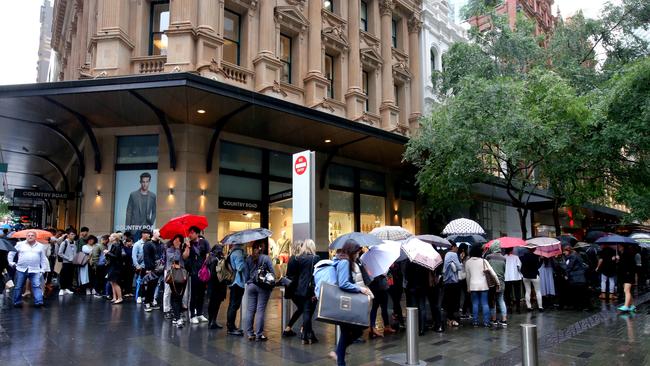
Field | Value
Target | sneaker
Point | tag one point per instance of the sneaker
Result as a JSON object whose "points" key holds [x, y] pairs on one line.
{"points": [[236, 332], [623, 308], [155, 303], [169, 315], [148, 308], [202, 318], [180, 323], [98, 295], [495, 323], [155, 306], [69, 292], [195, 320], [139, 300], [61, 292], [88, 292], [475, 324], [92, 292], [503, 323]]}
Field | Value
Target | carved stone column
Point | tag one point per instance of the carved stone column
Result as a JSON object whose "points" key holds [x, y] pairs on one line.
{"points": [[208, 41], [181, 51], [415, 30], [267, 63], [355, 98], [389, 113], [315, 83], [114, 43]]}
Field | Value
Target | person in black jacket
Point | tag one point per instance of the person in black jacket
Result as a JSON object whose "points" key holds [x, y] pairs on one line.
{"points": [[530, 264], [417, 287], [217, 289], [115, 263], [576, 270], [304, 292], [150, 259], [195, 253]]}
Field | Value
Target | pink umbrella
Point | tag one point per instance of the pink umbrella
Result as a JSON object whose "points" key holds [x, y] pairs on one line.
{"points": [[507, 242]]}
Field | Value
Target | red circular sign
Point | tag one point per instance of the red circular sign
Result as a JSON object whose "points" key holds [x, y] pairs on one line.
{"points": [[301, 165]]}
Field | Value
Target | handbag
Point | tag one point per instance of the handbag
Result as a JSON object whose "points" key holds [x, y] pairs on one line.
{"points": [[336, 306], [264, 278], [80, 259], [204, 272], [492, 281]]}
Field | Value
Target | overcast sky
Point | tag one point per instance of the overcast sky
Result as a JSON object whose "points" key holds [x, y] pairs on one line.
{"points": [[20, 27]]}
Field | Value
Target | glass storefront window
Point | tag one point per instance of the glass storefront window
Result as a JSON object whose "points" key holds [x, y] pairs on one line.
{"points": [[372, 181], [341, 215], [407, 213], [341, 176], [373, 212], [280, 164], [240, 187], [240, 157], [281, 224], [137, 149], [235, 220], [277, 187]]}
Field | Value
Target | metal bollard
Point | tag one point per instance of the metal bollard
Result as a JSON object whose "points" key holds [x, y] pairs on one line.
{"points": [[286, 308], [529, 344], [412, 353]]}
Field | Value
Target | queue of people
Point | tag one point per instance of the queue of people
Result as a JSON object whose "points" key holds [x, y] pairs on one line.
{"points": [[481, 285]]}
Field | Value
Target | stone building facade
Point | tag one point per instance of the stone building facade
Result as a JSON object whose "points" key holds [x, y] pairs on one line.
{"points": [[44, 47], [540, 11], [354, 59]]}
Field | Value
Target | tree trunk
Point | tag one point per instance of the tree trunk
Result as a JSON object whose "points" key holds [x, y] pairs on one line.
{"points": [[523, 214], [556, 217]]}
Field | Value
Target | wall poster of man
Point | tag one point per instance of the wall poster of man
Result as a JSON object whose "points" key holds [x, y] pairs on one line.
{"points": [[135, 200]]}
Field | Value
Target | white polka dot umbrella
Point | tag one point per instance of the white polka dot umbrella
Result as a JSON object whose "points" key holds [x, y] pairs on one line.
{"points": [[463, 227]]}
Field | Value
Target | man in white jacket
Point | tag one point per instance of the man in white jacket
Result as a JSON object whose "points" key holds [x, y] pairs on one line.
{"points": [[31, 264]]}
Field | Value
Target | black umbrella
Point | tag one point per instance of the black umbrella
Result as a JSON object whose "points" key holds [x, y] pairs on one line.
{"points": [[6, 245], [592, 236], [471, 239], [246, 236], [364, 240], [568, 239]]}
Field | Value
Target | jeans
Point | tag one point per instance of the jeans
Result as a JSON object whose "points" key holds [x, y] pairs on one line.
{"points": [[305, 307], [236, 294], [35, 279], [380, 300], [197, 295], [176, 301], [300, 308], [607, 280], [538, 292], [167, 295], [480, 298], [257, 300], [498, 301], [349, 333], [451, 300], [65, 278]]}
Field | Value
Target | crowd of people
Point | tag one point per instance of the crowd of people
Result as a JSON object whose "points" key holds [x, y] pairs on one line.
{"points": [[183, 273]]}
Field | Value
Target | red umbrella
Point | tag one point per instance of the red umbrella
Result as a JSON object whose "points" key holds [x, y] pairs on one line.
{"points": [[507, 242], [182, 224]]}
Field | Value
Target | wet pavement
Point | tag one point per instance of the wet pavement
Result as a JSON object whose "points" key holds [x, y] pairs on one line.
{"points": [[82, 330]]}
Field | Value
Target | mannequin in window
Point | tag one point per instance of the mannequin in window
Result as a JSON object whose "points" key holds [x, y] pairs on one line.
{"points": [[283, 245]]}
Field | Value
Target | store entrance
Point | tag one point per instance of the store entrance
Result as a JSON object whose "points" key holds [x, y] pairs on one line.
{"points": [[231, 221], [281, 224]]}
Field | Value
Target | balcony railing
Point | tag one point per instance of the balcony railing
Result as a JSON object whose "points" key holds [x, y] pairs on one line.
{"points": [[236, 72], [149, 64]]}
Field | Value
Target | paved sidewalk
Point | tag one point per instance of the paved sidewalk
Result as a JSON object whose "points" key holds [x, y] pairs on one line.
{"points": [[81, 330]]}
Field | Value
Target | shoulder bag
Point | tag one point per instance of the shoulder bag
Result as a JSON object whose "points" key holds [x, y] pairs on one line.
{"points": [[263, 277], [80, 259], [492, 281], [204, 272]]}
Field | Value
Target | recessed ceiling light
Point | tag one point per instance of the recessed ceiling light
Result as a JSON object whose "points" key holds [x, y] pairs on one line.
{"points": [[200, 111], [49, 120], [328, 141], [34, 186]]}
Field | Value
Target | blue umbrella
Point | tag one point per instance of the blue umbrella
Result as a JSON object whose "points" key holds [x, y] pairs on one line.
{"points": [[616, 239], [364, 240], [5, 226], [246, 236]]}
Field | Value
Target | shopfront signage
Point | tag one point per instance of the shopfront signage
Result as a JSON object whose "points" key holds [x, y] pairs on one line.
{"points": [[280, 196], [304, 193], [301, 165], [239, 204], [28, 193]]}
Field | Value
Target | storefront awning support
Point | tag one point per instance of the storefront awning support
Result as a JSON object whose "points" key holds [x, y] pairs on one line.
{"points": [[56, 166], [87, 128], [331, 155], [162, 118], [35, 175], [60, 133], [218, 127]]}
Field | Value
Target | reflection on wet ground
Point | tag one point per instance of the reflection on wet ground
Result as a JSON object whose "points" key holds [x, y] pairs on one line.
{"points": [[81, 330]]}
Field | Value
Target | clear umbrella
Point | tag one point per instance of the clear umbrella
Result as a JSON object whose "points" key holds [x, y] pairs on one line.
{"points": [[378, 259]]}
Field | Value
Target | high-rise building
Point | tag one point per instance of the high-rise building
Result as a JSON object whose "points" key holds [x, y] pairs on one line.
{"points": [[540, 11], [44, 46]]}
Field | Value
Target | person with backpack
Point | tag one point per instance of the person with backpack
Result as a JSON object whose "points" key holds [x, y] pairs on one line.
{"points": [[350, 279], [236, 261], [217, 287], [195, 255], [67, 251], [172, 253], [258, 290]]}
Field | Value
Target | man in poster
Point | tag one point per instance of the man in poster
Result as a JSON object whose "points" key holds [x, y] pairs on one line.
{"points": [[141, 209]]}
